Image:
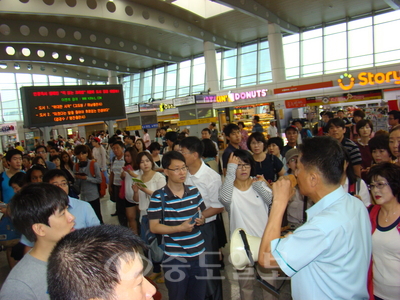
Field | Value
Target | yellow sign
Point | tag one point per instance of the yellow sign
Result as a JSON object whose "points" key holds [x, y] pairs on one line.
{"points": [[196, 121], [131, 128], [365, 78], [164, 106]]}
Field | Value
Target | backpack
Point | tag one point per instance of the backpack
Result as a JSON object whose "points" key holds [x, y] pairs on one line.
{"points": [[103, 185]]}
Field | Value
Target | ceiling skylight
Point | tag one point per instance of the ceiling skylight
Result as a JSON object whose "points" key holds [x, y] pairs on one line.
{"points": [[203, 8]]}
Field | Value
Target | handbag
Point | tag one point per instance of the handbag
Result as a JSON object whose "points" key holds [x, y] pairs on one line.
{"points": [[155, 242]]}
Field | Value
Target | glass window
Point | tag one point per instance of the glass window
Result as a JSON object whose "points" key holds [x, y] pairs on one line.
{"points": [[249, 48], [9, 95], [248, 64], [335, 48], [384, 34], [159, 83], [39, 79], [310, 34], [265, 61], [7, 78], [291, 53], [199, 72], [70, 81], [147, 80], [335, 28], [265, 77], [184, 78], [24, 78], [387, 17], [229, 69], [55, 80], [360, 23], [360, 42]]}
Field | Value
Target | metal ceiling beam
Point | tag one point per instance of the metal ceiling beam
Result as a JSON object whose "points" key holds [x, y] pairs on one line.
{"points": [[254, 9], [29, 32], [48, 69], [44, 53], [118, 11]]}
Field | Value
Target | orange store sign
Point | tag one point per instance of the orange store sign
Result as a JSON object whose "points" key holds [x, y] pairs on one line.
{"points": [[365, 78]]}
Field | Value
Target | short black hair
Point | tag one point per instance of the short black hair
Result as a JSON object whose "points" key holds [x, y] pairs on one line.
{"points": [[259, 137], [340, 110], [193, 144], [277, 141], [359, 113], [54, 157], [380, 142], [229, 128], [171, 135], [209, 148], [118, 132], [241, 123], [389, 171], [326, 155], [39, 147], [145, 130], [206, 129], [18, 178], [35, 203], [362, 123], [337, 122], [169, 156], [121, 144], [35, 168], [11, 153], [80, 149], [329, 114], [85, 264], [247, 158], [298, 120], [54, 173], [291, 127], [54, 148], [395, 114], [256, 118], [154, 146]]}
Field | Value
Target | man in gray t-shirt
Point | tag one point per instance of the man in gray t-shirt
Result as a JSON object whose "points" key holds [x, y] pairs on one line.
{"points": [[38, 211]]}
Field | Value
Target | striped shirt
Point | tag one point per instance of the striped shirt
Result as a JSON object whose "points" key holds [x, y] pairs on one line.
{"points": [[177, 210], [353, 150]]}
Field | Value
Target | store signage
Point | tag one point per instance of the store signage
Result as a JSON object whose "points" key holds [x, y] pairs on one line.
{"points": [[304, 87], [231, 97], [296, 103], [205, 98], [149, 126], [365, 78], [316, 101], [132, 109], [132, 128], [148, 106], [7, 128], [184, 101], [165, 106], [249, 95], [197, 121]]}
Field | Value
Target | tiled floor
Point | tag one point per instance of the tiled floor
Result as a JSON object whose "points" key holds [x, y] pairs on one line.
{"points": [[230, 285]]}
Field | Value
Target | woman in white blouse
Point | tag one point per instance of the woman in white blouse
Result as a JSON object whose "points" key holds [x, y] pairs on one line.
{"points": [[153, 181]]}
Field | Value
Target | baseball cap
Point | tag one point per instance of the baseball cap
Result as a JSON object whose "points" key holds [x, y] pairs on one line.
{"points": [[291, 153], [96, 139]]}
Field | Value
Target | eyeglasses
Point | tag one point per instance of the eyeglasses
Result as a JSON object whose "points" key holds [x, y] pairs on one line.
{"points": [[61, 185], [177, 171], [255, 143], [378, 185], [244, 166]]}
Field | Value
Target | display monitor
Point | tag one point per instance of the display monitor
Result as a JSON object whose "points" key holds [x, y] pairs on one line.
{"points": [[57, 105]]}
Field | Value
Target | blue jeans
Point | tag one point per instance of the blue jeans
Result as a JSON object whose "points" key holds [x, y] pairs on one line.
{"points": [[182, 279]]}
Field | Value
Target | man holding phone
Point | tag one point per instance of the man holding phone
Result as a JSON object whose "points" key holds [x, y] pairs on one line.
{"points": [[184, 243]]}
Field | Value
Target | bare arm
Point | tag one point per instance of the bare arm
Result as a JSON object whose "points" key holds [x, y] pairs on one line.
{"points": [[357, 170], [157, 228], [282, 193], [211, 211]]}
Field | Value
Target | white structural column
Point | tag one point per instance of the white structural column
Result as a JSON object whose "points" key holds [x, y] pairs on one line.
{"points": [[210, 58], [276, 53], [112, 77]]}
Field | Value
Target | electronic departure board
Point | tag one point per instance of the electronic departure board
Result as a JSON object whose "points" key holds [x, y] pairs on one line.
{"points": [[57, 105]]}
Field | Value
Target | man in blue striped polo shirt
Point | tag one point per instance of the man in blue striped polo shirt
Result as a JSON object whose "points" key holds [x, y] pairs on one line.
{"points": [[184, 244]]}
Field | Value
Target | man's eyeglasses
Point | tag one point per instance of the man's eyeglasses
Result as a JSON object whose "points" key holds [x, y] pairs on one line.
{"points": [[61, 185], [378, 185], [177, 171]]}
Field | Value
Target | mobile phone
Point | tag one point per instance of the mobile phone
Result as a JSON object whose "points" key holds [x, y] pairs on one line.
{"points": [[195, 216]]}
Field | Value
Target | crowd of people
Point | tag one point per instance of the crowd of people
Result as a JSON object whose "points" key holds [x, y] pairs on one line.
{"points": [[345, 210]]}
